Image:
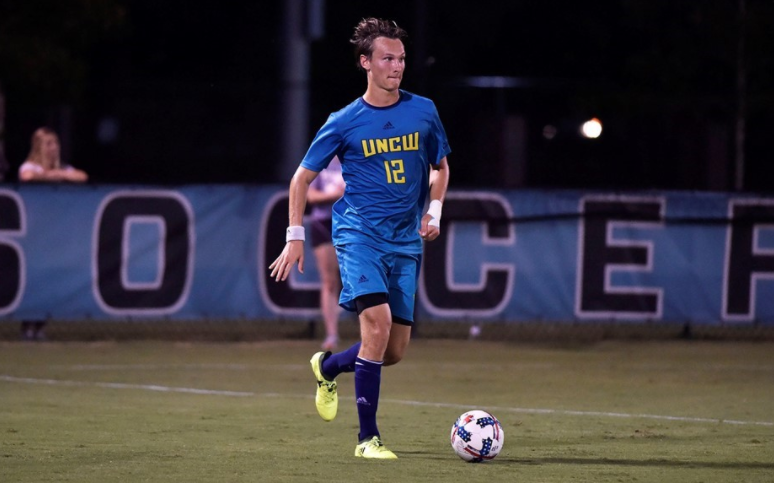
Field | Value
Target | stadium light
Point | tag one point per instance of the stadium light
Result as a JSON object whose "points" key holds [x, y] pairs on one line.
{"points": [[592, 128]]}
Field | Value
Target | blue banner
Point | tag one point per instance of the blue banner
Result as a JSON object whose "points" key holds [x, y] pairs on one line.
{"points": [[72, 252]]}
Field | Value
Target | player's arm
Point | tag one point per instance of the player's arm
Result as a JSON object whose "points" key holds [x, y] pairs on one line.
{"points": [[294, 246], [53, 175], [73, 174], [439, 183], [315, 196], [439, 180]]}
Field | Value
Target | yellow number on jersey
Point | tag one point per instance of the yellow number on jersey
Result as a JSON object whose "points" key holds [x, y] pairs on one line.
{"points": [[394, 170]]}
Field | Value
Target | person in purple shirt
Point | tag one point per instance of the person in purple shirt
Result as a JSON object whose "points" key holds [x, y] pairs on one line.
{"points": [[327, 188]]}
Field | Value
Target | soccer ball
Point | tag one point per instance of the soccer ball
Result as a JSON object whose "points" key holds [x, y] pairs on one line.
{"points": [[477, 436]]}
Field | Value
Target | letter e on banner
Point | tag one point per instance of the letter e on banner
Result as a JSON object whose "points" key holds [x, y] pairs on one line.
{"points": [[601, 254]]}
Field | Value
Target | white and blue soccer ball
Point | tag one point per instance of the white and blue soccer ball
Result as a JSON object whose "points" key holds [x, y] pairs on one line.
{"points": [[477, 436]]}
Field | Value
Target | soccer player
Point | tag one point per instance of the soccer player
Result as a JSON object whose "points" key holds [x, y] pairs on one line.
{"points": [[393, 148]]}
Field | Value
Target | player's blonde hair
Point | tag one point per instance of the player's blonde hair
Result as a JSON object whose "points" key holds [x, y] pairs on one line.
{"points": [[367, 30]]}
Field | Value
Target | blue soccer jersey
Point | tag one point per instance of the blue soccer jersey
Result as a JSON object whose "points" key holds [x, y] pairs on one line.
{"points": [[385, 156]]}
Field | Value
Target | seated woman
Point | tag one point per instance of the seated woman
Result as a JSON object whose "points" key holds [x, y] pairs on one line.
{"points": [[44, 163]]}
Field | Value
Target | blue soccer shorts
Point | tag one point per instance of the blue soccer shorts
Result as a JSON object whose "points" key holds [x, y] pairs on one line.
{"points": [[366, 270]]}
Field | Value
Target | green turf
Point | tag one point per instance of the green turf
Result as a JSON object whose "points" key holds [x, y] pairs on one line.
{"points": [[604, 412]]}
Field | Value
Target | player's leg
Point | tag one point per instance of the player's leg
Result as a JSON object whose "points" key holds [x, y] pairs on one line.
{"points": [[375, 322], [375, 326], [400, 334], [326, 366], [330, 288], [326, 399], [366, 270], [360, 275], [403, 286], [390, 331]]}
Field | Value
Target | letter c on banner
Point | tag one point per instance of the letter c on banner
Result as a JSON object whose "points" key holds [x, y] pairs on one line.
{"points": [[168, 211], [438, 291]]}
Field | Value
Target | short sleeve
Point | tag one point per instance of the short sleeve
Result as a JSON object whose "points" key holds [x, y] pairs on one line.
{"points": [[438, 143], [30, 166], [324, 147]]}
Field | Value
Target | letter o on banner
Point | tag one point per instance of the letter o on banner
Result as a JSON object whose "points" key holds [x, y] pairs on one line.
{"points": [[175, 244]]}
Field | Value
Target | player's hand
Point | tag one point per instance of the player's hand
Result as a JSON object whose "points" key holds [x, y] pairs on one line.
{"points": [[293, 252], [428, 232]]}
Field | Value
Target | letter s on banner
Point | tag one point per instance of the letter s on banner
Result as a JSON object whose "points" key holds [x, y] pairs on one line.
{"points": [[117, 213], [12, 269]]}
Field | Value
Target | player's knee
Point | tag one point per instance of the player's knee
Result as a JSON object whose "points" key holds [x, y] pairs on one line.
{"points": [[380, 333], [392, 358], [375, 329]]}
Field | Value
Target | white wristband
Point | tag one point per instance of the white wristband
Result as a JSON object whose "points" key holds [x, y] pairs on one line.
{"points": [[434, 210], [295, 233]]}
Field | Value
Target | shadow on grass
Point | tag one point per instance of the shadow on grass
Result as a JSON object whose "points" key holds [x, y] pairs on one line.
{"points": [[598, 461], [646, 463]]}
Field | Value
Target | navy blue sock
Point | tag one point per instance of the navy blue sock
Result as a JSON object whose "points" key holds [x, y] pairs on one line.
{"points": [[343, 361], [368, 380]]}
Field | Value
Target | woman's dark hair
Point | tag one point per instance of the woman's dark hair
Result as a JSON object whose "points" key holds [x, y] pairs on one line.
{"points": [[367, 30]]}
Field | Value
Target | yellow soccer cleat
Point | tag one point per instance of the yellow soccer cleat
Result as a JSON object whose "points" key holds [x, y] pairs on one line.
{"points": [[327, 398], [373, 448]]}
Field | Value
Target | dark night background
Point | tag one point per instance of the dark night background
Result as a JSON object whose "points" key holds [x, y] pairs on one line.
{"points": [[173, 92]]}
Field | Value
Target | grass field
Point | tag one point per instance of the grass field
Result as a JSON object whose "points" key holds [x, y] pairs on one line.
{"points": [[610, 411]]}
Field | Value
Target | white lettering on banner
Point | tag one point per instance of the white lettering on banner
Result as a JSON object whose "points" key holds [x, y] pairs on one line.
{"points": [[13, 274], [111, 285], [747, 261], [601, 254]]}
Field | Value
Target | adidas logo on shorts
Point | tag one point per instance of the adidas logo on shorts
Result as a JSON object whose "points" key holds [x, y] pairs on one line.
{"points": [[362, 279]]}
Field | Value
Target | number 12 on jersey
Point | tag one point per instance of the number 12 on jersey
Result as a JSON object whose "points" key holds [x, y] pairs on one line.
{"points": [[394, 170]]}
